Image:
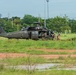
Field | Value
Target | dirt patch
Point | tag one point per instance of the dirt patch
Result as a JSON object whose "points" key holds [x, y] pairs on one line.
{"points": [[56, 50], [57, 56], [50, 56], [52, 50], [14, 55]]}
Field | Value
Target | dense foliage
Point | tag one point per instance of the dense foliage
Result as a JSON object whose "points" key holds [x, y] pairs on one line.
{"points": [[57, 24]]}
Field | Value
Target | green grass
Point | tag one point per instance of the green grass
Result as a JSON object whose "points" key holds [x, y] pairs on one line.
{"points": [[23, 60], [31, 47], [50, 72], [36, 60], [33, 61], [68, 36], [22, 45], [39, 52]]}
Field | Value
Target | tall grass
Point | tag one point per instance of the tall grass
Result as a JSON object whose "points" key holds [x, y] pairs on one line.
{"points": [[23, 60], [68, 36], [23, 45], [31, 47], [51, 72], [36, 60]]}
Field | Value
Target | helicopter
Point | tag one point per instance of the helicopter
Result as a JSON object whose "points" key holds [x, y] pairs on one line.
{"points": [[32, 32]]}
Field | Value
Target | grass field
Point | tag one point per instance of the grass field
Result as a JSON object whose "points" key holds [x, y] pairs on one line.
{"points": [[50, 72], [66, 42], [36, 60], [68, 36], [23, 45], [33, 61]]}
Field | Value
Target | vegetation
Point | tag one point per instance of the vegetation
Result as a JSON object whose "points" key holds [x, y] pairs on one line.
{"points": [[33, 46], [68, 37], [57, 24], [31, 60], [23, 45], [68, 62], [23, 72], [23, 61]]}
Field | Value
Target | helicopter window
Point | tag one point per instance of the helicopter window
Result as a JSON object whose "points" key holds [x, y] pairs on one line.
{"points": [[48, 32], [31, 28], [23, 29], [40, 33]]}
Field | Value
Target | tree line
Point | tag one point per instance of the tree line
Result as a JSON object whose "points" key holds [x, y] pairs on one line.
{"points": [[57, 24]]}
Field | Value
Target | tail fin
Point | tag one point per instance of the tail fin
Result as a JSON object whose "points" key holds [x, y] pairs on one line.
{"points": [[1, 30]]}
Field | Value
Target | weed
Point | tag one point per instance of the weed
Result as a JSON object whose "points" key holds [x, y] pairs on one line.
{"points": [[1, 67]]}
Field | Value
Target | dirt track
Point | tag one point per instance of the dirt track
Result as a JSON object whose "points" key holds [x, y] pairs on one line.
{"points": [[7, 55]]}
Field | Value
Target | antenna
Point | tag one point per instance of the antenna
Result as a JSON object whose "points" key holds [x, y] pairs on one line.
{"points": [[44, 14], [39, 18], [47, 8], [0, 15]]}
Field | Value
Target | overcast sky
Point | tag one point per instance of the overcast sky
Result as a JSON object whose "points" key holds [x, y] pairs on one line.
{"points": [[36, 8]]}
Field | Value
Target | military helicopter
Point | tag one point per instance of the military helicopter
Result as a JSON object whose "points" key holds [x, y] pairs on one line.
{"points": [[33, 32]]}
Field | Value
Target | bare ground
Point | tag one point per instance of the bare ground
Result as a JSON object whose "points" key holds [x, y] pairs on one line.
{"points": [[50, 56]]}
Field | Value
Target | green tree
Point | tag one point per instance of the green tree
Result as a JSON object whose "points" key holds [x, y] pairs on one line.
{"points": [[72, 24], [58, 24], [29, 19]]}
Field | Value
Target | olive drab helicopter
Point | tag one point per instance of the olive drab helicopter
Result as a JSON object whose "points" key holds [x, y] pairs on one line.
{"points": [[32, 32]]}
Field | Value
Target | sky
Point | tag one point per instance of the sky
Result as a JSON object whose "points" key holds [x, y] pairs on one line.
{"points": [[38, 8]]}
